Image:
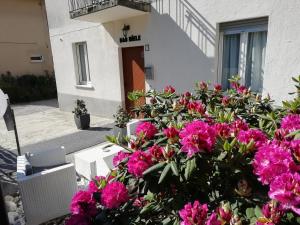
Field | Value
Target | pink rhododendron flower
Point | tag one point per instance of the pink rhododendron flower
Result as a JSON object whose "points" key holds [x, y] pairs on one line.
{"points": [[238, 125], [272, 211], [295, 147], [271, 161], [242, 89], [172, 134], [114, 195], [78, 220], [225, 100], [286, 190], [246, 136], [139, 202], [94, 185], [217, 87], [138, 162], [225, 212], [202, 85], [156, 152], [83, 204], [146, 129], [187, 94], [213, 220], [291, 122], [119, 158], [169, 89], [223, 129], [197, 136], [193, 214], [280, 134], [196, 107]]}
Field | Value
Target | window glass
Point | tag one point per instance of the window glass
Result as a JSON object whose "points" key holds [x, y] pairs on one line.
{"points": [[82, 63], [231, 53], [243, 52]]}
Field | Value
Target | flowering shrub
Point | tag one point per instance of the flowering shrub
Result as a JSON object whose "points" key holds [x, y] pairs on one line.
{"points": [[209, 158]]}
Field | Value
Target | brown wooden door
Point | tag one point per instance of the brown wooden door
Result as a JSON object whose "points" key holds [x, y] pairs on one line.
{"points": [[133, 72]]}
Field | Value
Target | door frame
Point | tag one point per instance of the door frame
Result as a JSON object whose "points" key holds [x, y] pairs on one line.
{"points": [[123, 94]]}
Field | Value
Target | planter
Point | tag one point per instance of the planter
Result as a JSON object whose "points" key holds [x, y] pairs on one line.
{"points": [[120, 132], [82, 122]]}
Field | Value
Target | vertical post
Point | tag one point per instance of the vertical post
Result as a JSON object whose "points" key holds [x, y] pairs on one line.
{"points": [[16, 132], [3, 214]]}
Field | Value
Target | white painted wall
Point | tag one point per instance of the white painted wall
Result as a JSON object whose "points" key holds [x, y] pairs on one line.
{"points": [[183, 39]]}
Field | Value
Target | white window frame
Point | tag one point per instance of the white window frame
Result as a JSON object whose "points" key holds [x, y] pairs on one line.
{"points": [[244, 31], [78, 65]]}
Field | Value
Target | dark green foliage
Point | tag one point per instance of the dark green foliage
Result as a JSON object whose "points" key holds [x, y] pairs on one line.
{"points": [[27, 88]]}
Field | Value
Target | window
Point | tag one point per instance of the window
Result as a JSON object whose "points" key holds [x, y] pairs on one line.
{"points": [[243, 52], [82, 63], [36, 58]]}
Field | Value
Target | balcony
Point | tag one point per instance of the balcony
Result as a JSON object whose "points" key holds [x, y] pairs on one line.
{"points": [[107, 10]]}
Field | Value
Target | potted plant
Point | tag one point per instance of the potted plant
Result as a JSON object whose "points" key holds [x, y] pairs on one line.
{"points": [[121, 120], [81, 115]]}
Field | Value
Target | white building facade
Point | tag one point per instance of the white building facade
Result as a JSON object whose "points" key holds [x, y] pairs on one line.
{"points": [[103, 49]]}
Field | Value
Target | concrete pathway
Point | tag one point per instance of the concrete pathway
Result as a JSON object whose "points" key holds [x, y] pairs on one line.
{"points": [[42, 125]]}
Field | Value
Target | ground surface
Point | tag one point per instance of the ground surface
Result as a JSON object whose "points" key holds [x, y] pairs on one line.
{"points": [[43, 121], [42, 126]]}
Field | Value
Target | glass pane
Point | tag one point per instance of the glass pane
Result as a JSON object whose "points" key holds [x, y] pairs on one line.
{"points": [[231, 51], [255, 64], [83, 77]]}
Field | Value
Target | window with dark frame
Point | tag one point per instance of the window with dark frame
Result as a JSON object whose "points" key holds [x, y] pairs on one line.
{"points": [[82, 63]]}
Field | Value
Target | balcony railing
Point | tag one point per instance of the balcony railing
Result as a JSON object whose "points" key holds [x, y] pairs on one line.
{"points": [[83, 7]]}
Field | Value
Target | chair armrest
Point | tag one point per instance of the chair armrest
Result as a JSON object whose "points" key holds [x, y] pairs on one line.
{"points": [[47, 195]]}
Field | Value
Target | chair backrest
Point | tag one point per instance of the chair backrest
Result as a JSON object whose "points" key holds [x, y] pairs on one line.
{"points": [[48, 158]]}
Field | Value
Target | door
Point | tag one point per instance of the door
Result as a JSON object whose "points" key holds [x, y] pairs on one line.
{"points": [[133, 73]]}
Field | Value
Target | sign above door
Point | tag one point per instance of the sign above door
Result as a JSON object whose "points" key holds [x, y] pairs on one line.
{"points": [[125, 37]]}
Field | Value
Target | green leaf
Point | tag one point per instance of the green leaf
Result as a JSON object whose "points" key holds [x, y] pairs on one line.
{"points": [[147, 208], [154, 168], [258, 212], [164, 173], [166, 221], [190, 167], [174, 168], [250, 213]]}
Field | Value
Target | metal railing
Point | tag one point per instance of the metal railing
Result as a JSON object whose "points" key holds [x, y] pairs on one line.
{"points": [[83, 7]]}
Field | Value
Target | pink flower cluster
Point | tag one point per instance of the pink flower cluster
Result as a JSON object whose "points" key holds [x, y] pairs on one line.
{"points": [[193, 214], [119, 158], [196, 107], [295, 147], [138, 162], [114, 195], [172, 134], [223, 129], [286, 189], [96, 184], [291, 122], [83, 204], [271, 211], [246, 136], [169, 89], [238, 125], [197, 214], [156, 152], [146, 129], [197, 136], [271, 161]]}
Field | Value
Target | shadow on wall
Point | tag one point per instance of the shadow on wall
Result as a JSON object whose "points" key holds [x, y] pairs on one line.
{"points": [[182, 44], [188, 43]]}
